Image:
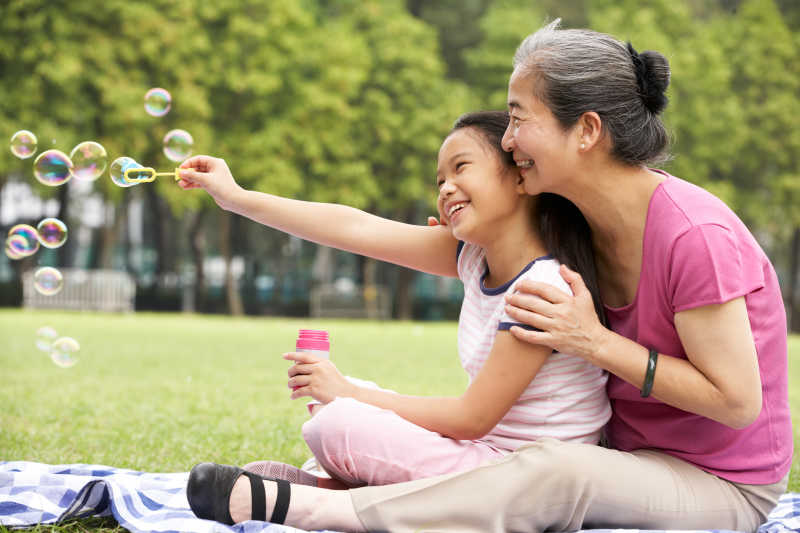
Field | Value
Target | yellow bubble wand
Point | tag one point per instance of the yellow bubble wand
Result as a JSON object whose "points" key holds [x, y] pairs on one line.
{"points": [[147, 174]]}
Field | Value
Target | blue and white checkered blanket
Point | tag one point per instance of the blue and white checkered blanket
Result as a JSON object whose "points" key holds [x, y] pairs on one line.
{"points": [[36, 493]]}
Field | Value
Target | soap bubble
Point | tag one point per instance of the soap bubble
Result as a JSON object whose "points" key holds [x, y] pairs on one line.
{"points": [[53, 168], [178, 145], [157, 102], [45, 336], [52, 232], [23, 239], [48, 281], [23, 144], [13, 244], [118, 168], [89, 161], [63, 352]]}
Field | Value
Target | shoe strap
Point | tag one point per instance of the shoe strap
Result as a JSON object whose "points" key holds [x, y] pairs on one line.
{"points": [[281, 502], [258, 498]]}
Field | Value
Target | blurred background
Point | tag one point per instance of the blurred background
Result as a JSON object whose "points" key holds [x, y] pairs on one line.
{"points": [[347, 101]]}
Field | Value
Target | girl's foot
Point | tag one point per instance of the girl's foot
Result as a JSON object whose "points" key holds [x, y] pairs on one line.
{"points": [[292, 474], [278, 470]]}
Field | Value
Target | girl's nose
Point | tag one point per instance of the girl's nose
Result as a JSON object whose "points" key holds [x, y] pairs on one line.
{"points": [[447, 188]]}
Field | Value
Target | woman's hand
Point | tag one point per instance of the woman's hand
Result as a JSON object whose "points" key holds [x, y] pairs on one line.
{"points": [[212, 175], [316, 377], [568, 323]]}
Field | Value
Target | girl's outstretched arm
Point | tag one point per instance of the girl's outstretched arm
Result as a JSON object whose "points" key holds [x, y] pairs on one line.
{"points": [[429, 249], [511, 366]]}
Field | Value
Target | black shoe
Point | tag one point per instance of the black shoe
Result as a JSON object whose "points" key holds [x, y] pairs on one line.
{"points": [[209, 493]]}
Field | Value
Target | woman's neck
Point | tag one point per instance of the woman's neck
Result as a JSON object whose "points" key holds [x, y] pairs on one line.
{"points": [[614, 202]]}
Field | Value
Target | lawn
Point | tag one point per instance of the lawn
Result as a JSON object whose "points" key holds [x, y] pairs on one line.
{"points": [[161, 392]]}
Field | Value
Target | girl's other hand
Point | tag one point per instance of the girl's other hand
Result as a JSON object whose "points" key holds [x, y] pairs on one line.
{"points": [[212, 175], [316, 377], [568, 323]]}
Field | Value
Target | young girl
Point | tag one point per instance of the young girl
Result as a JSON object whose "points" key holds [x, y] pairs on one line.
{"points": [[496, 235]]}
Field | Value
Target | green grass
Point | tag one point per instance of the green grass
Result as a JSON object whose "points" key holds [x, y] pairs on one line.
{"points": [[161, 392]]}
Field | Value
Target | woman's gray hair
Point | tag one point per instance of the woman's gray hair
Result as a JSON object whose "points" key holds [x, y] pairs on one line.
{"points": [[576, 71]]}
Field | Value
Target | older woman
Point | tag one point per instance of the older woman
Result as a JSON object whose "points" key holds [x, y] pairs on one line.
{"points": [[700, 435]]}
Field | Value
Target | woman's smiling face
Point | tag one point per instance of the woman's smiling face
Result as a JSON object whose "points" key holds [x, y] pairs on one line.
{"points": [[542, 148]]}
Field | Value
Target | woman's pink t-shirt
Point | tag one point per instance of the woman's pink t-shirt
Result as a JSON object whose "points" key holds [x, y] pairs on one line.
{"points": [[697, 252]]}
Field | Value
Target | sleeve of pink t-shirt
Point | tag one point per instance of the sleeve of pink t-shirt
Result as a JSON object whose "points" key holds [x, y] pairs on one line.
{"points": [[708, 267]]}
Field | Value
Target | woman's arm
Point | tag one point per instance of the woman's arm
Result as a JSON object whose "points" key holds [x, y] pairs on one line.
{"points": [[429, 249], [510, 367], [719, 379]]}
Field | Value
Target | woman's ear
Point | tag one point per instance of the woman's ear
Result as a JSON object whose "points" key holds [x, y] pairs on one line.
{"points": [[590, 130]]}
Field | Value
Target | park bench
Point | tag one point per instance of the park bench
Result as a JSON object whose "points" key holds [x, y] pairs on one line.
{"points": [[330, 301], [84, 290]]}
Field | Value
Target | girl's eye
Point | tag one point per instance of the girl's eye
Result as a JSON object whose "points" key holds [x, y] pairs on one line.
{"points": [[460, 165]]}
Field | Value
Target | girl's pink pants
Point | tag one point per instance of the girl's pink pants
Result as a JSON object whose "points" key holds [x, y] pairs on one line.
{"points": [[361, 444]]}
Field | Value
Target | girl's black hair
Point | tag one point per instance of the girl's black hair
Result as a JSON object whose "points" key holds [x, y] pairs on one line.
{"points": [[561, 225]]}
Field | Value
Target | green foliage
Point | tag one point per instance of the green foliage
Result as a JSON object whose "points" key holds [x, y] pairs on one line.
{"points": [[490, 63]]}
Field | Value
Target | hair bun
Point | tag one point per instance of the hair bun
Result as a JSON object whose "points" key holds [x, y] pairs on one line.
{"points": [[652, 77]]}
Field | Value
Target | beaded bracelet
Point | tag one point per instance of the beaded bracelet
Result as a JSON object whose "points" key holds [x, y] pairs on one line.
{"points": [[650, 373]]}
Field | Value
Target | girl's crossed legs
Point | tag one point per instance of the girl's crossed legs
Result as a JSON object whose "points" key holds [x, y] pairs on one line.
{"points": [[360, 444]]}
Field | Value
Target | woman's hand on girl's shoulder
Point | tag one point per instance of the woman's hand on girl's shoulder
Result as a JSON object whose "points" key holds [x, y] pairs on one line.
{"points": [[565, 322]]}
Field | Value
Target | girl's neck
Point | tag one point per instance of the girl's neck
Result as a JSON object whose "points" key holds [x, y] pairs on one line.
{"points": [[513, 247]]}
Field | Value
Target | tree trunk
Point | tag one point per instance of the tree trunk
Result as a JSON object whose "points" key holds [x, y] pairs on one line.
{"points": [[197, 242], [404, 306], [232, 295], [371, 289], [109, 233], [160, 226], [66, 251], [791, 303]]}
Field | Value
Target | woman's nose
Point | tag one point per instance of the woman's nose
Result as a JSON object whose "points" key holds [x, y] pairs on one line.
{"points": [[507, 141]]}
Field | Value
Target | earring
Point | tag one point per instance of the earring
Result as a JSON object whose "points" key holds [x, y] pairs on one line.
{"points": [[583, 146]]}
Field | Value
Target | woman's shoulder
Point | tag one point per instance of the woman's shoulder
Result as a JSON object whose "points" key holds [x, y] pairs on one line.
{"points": [[680, 204]]}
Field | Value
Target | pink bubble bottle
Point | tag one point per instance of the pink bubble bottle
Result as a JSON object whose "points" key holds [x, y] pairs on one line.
{"points": [[315, 341]]}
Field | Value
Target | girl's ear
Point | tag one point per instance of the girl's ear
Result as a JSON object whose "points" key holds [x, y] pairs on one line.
{"points": [[520, 185]]}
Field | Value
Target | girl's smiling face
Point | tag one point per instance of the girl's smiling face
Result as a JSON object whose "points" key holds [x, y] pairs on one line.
{"points": [[542, 149], [476, 190]]}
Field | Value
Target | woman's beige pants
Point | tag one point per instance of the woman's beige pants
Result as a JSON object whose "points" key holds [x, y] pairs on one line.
{"points": [[550, 485]]}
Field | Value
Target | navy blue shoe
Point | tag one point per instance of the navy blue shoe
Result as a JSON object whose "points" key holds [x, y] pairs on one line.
{"points": [[209, 493]]}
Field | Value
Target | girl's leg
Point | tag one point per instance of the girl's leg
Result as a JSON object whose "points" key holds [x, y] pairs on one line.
{"points": [[361, 444], [309, 507]]}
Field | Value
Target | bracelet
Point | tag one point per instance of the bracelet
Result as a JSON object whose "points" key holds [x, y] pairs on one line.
{"points": [[650, 373]]}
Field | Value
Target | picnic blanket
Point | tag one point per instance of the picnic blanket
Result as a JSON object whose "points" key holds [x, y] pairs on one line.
{"points": [[36, 493]]}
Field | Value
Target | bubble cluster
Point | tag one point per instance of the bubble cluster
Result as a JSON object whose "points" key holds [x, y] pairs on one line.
{"points": [[157, 102], [52, 232], [23, 144], [89, 161], [63, 352], [48, 281], [52, 168], [118, 168], [178, 145], [22, 241], [45, 336]]}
